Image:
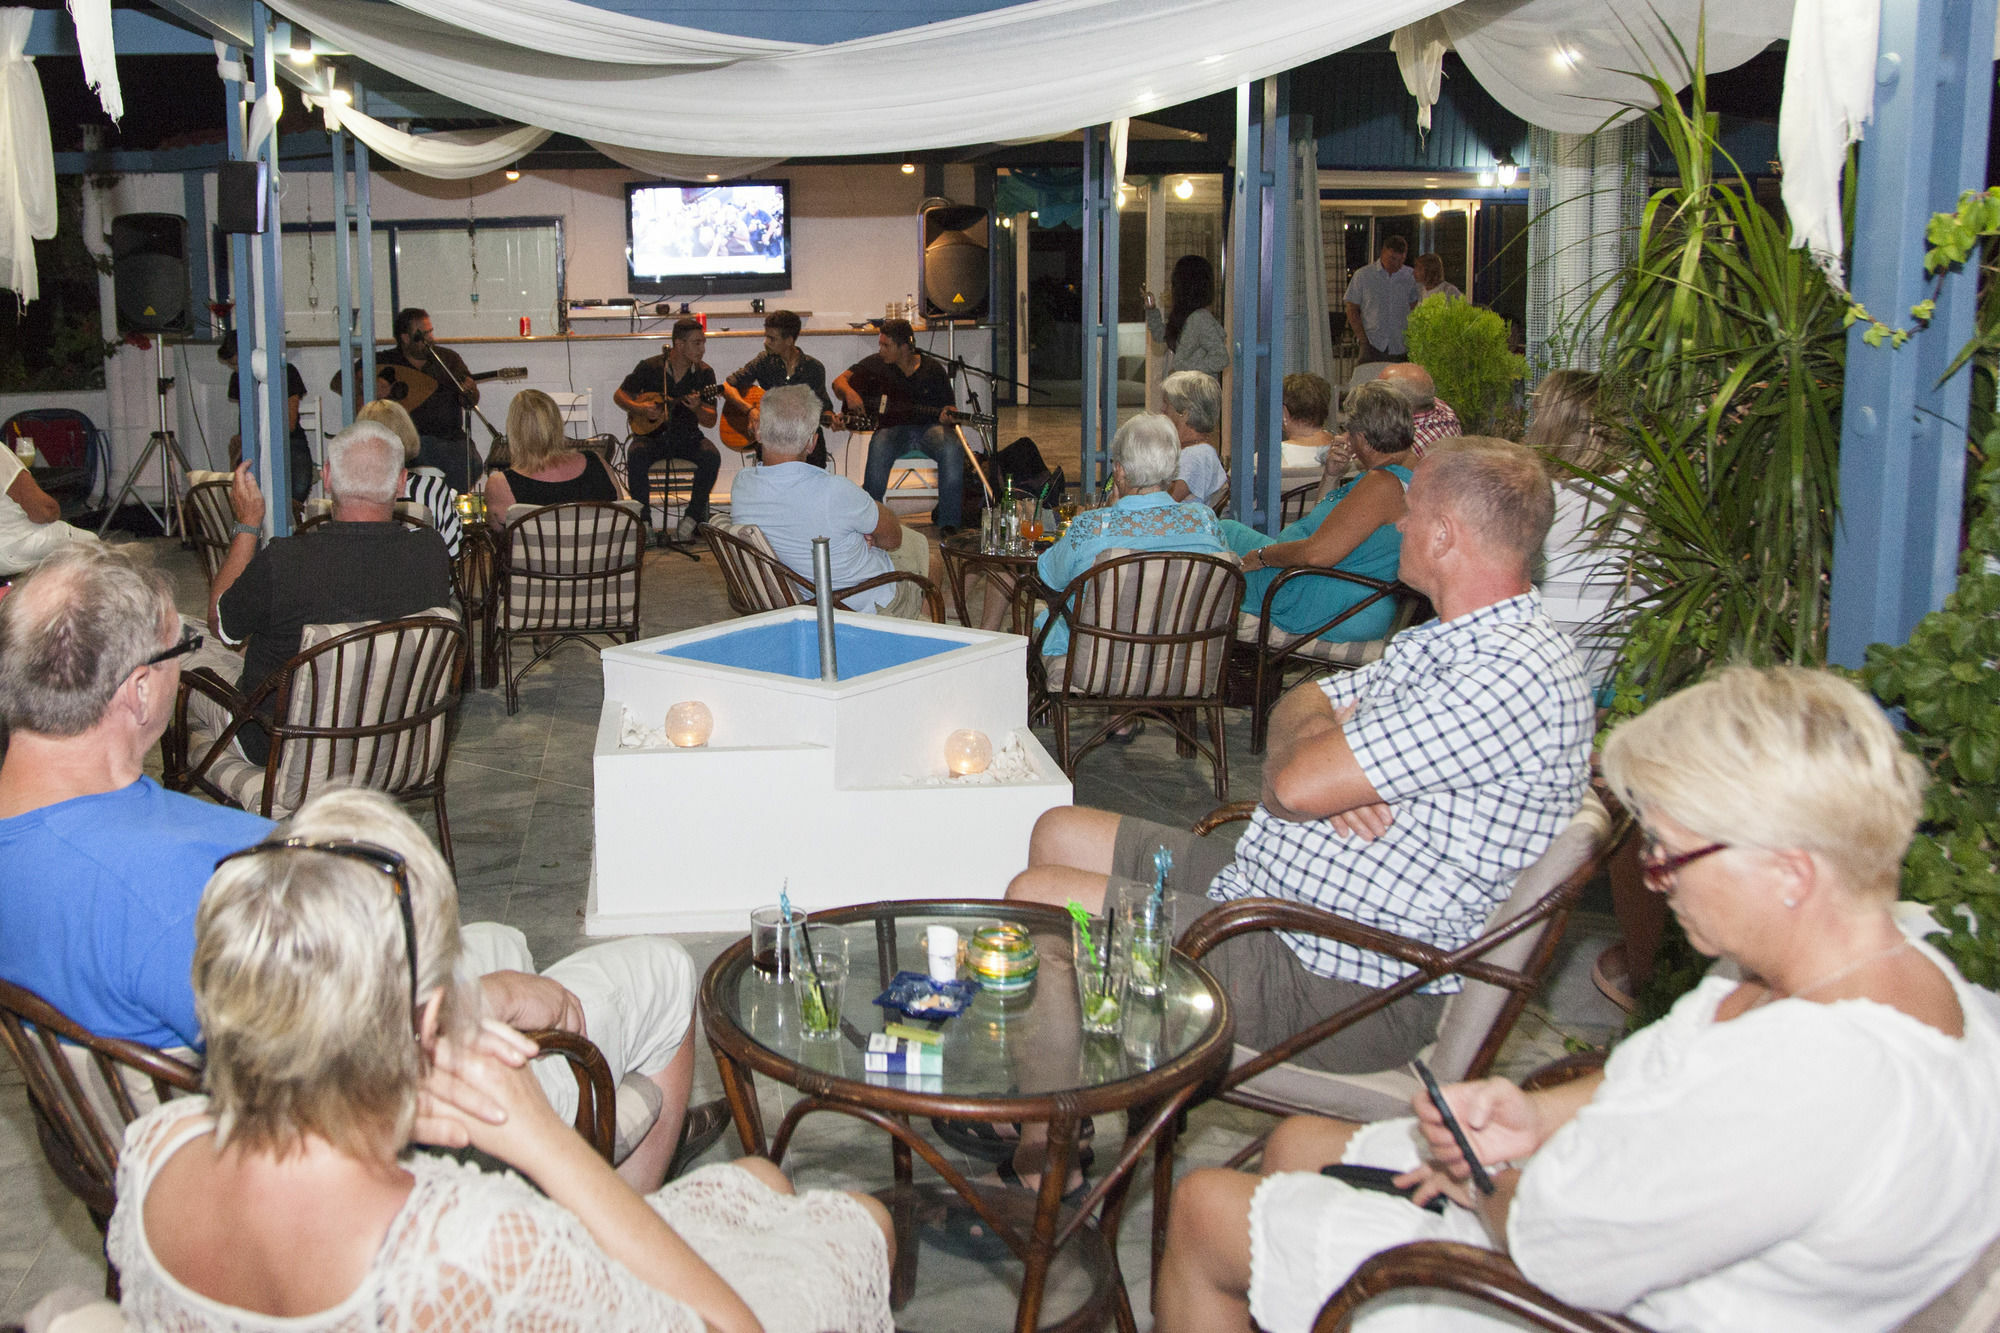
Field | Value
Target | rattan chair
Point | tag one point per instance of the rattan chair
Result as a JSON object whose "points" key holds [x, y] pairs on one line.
{"points": [[1264, 653], [84, 1090], [367, 705], [1297, 502], [564, 573], [210, 520], [596, 1094], [757, 580], [1149, 635]]}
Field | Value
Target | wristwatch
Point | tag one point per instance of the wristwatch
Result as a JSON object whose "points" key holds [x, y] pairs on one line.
{"points": [[247, 530]]}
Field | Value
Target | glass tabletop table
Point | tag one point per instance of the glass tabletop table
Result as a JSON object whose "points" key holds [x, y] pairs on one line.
{"points": [[1019, 1057]]}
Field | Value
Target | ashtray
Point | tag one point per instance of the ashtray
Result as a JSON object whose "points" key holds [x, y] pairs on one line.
{"points": [[915, 995]]}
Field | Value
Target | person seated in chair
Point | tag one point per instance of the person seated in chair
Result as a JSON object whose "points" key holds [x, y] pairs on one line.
{"points": [[90, 657], [31, 525], [1406, 795], [362, 566], [1194, 404], [791, 502], [662, 399], [1352, 530], [543, 466], [421, 485], [910, 396], [1805, 1141], [1431, 417]]}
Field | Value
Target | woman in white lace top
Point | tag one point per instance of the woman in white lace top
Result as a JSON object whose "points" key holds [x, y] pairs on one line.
{"points": [[339, 1029]]}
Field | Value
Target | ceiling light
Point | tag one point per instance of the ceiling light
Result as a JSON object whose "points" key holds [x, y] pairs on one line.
{"points": [[512, 174], [339, 96], [909, 168], [1036, 214], [1430, 208], [1185, 190], [712, 176], [1506, 172], [301, 52], [1007, 223], [1486, 178], [1564, 58]]}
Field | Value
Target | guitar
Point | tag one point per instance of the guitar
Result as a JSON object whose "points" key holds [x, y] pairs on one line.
{"points": [[645, 423], [735, 425], [412, 387], [862, 422]]}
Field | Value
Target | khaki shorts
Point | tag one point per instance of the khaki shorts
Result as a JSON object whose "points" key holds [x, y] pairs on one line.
{"points": [[1273, 995], [912, 557]]}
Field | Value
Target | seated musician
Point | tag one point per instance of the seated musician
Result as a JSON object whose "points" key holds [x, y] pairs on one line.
{"points": [[909, 394], [792, 502], [782, 363], [663, 403], [435, 388]]}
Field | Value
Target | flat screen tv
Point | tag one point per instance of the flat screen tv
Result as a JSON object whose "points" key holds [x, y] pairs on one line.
{"points": [[695, 239]]}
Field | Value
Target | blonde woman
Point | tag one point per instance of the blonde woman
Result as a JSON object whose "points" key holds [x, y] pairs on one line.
{"points": [[425, 486], [1584, 581], [544, 468], [340, 1028]]}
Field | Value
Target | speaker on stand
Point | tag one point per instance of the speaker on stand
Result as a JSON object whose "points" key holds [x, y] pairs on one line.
{"points": [[954, 273], [149, 284]]}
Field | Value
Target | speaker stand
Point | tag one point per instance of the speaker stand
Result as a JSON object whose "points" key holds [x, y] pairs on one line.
{"points": [[164, 443]]}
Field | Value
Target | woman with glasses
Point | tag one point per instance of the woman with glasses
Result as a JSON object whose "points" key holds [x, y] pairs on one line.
{"points": [[1808, 1140], [341, 1029]]}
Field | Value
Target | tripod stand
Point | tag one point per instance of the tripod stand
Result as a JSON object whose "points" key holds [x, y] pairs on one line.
{"points": [[163, 442]]}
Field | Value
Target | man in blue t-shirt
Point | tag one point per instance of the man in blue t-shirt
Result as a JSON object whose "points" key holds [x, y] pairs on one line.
{"points": [[100, 869]]}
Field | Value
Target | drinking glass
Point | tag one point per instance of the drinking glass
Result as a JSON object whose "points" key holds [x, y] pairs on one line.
{"points": [[774, 942], [821, 982], [1102, 969], [1147, 929]]}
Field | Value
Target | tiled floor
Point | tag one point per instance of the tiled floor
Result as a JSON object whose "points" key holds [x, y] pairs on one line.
{"points": [[520, 805]]}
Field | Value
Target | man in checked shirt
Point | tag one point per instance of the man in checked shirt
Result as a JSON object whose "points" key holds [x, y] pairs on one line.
{"points": [[1405, 795]]}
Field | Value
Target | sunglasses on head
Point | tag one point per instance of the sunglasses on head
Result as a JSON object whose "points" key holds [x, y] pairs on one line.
{"points": [[369, 854]]}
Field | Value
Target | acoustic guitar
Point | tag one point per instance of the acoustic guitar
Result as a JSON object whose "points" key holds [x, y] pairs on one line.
{"points": [[412, 387], [862, 422], [735, 425], [644, 423]]}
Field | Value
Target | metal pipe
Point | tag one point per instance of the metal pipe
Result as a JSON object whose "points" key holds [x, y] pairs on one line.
{"points": [[829, 667]]}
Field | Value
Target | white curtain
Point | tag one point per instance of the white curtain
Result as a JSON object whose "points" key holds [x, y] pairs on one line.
{"points": [[100, 58], [453, 155], [1829, 93], [1308, 337], [585, 32], [27, 165], [1040, 68], [1585, 196], [684, 166]]}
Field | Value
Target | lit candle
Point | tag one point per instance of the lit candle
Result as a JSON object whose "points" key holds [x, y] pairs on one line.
{"points": [[689, 723], [967, 751]]}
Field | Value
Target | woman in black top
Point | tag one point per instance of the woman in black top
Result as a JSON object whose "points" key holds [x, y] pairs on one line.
{"points": [[545, 470]]}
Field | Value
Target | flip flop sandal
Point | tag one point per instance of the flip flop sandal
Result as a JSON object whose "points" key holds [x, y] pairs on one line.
{"points": [[978, 1138], [1085, 1159], [961, 1232]]}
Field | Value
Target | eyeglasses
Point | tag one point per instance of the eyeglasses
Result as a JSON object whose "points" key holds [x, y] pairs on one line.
{"points": [[190, 641], [1659, 872], [369, 854]]}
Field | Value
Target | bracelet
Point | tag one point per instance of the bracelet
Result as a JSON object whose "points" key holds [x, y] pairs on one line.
{"points": [[247, 530]]}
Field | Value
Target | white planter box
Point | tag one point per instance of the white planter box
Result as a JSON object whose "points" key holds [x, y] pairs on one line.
{"points": [[821, 787]]}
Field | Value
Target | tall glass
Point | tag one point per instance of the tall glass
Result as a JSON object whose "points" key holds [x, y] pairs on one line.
{"points": [[820, 981], [1103, 967]]}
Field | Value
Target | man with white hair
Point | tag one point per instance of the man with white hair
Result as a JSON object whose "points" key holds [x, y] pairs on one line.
{"points": [[1431, 417], [361, 566], [791, 502]]}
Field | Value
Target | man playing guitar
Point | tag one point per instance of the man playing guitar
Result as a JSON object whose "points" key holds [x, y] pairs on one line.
{"points": [[666, 408], [781, 364], [910, 395], [439, 414]]}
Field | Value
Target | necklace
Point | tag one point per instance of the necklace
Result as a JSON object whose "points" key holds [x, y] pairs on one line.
{"points": [[1772, 993]]}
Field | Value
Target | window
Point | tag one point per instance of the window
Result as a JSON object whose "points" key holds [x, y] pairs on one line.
{"points": [[477, 280]]}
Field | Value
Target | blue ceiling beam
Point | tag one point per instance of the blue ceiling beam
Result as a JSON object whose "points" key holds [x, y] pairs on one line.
{"points": [[50, 33]]}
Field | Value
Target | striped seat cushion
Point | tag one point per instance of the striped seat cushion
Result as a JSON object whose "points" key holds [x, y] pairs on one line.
{"points": [[572, 568], [1359, 653], [1169, 594]]}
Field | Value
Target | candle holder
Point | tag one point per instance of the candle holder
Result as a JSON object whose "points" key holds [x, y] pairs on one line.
{"points": [[689, 724], [967, 752]]}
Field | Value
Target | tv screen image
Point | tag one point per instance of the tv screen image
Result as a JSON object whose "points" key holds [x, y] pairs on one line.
{"points": [[733, 234]]}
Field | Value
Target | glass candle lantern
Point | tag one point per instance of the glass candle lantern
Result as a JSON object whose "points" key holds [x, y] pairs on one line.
{"points": [[967, 751], [689, 723]]}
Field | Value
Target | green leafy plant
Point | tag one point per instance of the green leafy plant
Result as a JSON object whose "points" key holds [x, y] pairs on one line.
{"points": [[1465, 350]]}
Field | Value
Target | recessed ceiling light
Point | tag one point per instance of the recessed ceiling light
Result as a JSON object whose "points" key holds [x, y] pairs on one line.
{"points": [[712, 176], [1185, 190], [1431, 209], [512, 174], [909, 168]]}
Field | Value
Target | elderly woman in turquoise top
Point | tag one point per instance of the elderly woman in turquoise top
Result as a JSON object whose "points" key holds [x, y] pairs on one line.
{"points": [[1145, 457], [1353, 529]]}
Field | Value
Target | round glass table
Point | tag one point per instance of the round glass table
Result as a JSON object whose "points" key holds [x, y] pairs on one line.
{"points": [[1005, 575], [1018, 1058]]}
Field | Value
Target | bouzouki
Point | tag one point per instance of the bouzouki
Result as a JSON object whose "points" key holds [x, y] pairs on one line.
{"points": [[412, 387], [645, 423]]}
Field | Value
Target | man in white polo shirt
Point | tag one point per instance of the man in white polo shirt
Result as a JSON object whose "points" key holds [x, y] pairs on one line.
{"points": [[792, 502]]}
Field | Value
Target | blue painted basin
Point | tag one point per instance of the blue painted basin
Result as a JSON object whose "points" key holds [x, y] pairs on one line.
{"points": [[791, 648]]}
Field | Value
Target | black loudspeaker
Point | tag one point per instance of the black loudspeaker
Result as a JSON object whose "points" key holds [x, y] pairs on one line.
{"points": [[149, 273], [239, 197], [955, 273]]}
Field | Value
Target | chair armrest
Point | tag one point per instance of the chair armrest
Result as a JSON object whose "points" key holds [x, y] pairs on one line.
{"points": [[177, 772], [1484, 1275], [1378, 590], [1234, 812], [1566, 1070], [1245, 916], [596, 1091], [933, 599]]}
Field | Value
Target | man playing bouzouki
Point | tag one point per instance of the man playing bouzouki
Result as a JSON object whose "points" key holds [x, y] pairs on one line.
{"points": [[666, 410], [435, 388], [781, 364]]}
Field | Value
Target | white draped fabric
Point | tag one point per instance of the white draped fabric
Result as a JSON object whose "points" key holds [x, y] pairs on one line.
{"points": [[1420, 49], [1308, 335], [1041, 68], [100, 58], [684, 166], [1829, 93], [584, 32], [453, 155], [27, 164]]}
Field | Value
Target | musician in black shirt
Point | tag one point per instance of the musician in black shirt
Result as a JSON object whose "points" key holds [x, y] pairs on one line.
{"points": [[910, 396], [439, 414], [663, 403], [781, 364]]}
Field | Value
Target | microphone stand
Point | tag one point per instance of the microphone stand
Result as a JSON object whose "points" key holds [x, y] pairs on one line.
{"points": [[472, 460]]}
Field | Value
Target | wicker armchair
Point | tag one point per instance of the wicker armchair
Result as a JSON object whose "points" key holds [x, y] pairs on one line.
{"points": [[758, 581], [1149, 635], [209, 519], [1264, 652], [564, 573], [366, 705]]}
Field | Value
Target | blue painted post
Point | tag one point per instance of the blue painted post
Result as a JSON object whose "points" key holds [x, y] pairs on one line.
{"points": [[1260, 229], [194, 200], [1100, 304], [277, 475], [1902, 439], [343, 278], [239, 269], [364, 261]]}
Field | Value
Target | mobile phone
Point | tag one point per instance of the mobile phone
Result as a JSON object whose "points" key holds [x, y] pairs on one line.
{"points": [[1480, 1180], [1380, 1179]]}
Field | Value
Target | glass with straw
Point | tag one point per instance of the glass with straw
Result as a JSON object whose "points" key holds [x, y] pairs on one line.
{"points": [[1102, 970]]}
